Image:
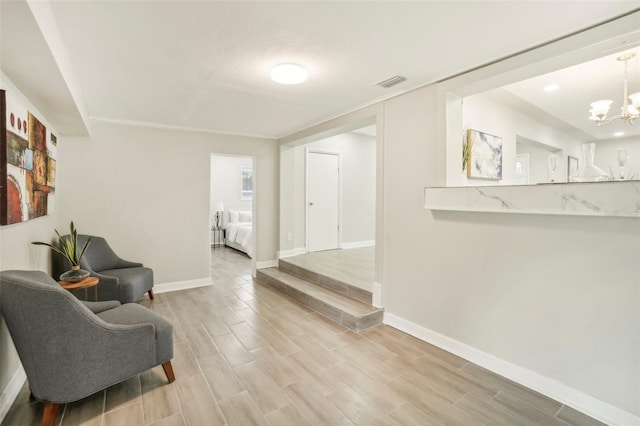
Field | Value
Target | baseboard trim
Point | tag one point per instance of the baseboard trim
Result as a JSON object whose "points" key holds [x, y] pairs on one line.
{"points": [[376, 295], [266, 264], [293, 252], [181, 285], [358, 244], [571, 397], [11, 391]]}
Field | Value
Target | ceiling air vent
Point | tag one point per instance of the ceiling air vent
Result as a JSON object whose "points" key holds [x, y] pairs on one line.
{"points": [[392, 81]]}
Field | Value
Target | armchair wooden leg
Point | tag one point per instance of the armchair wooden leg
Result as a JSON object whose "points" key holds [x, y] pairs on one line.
{"points": [[50, 413], [150, 294], [168, 370]]}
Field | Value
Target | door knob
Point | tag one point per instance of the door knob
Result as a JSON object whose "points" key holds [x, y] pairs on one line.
{"points": [[310, 204]]}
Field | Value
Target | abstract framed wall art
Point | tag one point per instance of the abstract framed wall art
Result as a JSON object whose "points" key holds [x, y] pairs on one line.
{"points": [[27, 163], [484, 155]]}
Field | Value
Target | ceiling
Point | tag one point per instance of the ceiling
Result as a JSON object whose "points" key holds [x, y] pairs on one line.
{"points": [[205, 64], [578, 86]]}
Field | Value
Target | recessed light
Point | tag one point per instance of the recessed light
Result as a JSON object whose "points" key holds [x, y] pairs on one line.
{"points": [[288, 74], [551, 87], [618, 134]]}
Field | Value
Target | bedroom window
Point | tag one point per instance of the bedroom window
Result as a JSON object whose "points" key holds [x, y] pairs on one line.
{"points": [[246, 192]]}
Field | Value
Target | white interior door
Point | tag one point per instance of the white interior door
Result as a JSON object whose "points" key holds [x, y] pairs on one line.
{"points": [[323, 200]]}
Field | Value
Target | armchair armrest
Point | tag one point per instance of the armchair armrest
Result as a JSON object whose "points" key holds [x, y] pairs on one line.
{"points": [[97, 307], [111, 280], [126, 264]]}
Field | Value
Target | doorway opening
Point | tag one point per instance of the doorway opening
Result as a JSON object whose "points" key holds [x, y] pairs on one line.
{"points": [[328, 204], [231, 205]]}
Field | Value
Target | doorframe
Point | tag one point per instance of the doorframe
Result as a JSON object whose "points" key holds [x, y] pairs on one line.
{"points": [[308, 151]]}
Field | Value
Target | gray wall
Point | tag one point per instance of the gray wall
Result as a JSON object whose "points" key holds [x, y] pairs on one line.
{"points": [[147, 190]]}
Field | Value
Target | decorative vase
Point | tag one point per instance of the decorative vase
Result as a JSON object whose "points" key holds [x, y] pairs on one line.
{"points": [[589, 171], [74, 275]]}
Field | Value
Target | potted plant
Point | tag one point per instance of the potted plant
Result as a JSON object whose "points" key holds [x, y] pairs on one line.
{"points": [[68, 248]]}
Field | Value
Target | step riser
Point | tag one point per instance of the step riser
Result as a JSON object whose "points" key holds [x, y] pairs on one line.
{"points": [[355, 324], [327, 282]]}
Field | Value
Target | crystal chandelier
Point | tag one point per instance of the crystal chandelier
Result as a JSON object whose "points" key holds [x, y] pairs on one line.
{"points": [[629, 111]]}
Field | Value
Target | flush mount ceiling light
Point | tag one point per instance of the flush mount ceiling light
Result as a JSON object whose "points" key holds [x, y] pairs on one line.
{"points": [[288, 74], [629, 111], [551, 87]]}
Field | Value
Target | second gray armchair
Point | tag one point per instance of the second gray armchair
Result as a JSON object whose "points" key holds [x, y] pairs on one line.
{"points": [[119, 279]]}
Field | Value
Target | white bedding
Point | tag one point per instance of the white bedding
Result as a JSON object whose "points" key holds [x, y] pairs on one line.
{"points": [[239, 234]]}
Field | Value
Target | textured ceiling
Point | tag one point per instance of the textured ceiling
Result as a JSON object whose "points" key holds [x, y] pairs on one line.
{"points": [[205, 64]]}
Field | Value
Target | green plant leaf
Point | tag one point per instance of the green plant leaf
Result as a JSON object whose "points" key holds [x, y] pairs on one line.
{"points": [[67, 247]]}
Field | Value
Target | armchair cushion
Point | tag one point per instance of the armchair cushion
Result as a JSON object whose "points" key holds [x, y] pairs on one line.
{"points": [[132, 313], [139, 280]]}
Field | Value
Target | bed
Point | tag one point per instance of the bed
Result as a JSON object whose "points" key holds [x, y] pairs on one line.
{"points": [[239, 231]]}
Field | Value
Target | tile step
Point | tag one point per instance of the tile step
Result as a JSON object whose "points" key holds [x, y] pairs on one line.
{"points": [[331, 283], [353, 314]]}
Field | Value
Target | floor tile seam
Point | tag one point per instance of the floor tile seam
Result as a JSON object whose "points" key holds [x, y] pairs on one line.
{"points": [[204, 377], [540, 412], [375, 379], [534, 394], [494, 407], [418, 407], [425, 387], [246, 389], [497, 382], [441, 362], [379, 346], [345, 412], [333, 350], [126, 404], [206, 330], [365, 396], [481, 385]]}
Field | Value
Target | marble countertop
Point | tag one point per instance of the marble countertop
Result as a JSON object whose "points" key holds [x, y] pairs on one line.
{"points": [[618, 198]]}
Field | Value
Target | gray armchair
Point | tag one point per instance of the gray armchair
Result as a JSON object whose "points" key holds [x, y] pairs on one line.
{"points": [[71, 349], [119, 279]]}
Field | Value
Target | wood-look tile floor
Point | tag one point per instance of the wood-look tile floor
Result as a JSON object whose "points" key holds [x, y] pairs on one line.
{"points": [[245, 354], [355, 266]]}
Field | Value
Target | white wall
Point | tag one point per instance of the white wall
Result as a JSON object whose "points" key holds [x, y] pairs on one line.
{"points": [[147, 191], [558, 296], [358, 179], [538, 163], [606, 156], [17, 252], [226, 183]]}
